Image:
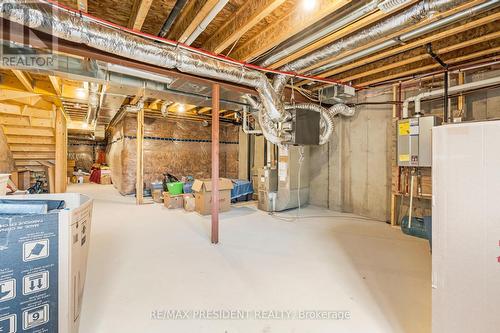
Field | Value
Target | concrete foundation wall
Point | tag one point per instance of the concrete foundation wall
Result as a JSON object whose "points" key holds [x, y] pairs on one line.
{"points": [[352, 172]]}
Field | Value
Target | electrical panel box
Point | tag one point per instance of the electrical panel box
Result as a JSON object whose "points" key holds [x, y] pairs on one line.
{"points": [[305, 127], [415, 141]]}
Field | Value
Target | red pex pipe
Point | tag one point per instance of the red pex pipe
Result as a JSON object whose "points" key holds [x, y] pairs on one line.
{"points": [[194, 49]]}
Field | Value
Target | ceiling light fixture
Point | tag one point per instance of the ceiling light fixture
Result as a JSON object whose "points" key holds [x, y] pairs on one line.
{"points": [[308, 4], [181, 108], [81, 93]]}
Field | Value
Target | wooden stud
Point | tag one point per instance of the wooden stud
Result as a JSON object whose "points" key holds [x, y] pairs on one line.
{"points": [[215, 163], [297, 20], [247, 16], [461, 98], [61, 157], [139, 185], [139, 13]]}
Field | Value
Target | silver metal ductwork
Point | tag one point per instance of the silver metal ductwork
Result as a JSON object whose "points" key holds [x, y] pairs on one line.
{"points": [[94, 101], [76, 28], [417, 13]]}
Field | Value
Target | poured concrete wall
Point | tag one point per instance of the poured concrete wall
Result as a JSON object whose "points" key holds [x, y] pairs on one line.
{"points": [[352, 172]]}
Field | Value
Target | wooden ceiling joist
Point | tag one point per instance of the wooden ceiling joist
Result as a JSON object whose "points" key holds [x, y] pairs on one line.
{"points": [[25, 80], [294, 22], [409, 46], [139, 13], [373, 17], [396, 34], [423, 69], [195, 14], [421, 57], [247, 16], [55, 84]]}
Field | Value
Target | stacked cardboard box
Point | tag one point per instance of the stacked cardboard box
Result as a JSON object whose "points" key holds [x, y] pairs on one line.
{"points": [[203, 195]]}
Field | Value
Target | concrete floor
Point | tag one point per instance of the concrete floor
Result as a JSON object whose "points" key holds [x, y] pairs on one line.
{"points": [[149, 258]]}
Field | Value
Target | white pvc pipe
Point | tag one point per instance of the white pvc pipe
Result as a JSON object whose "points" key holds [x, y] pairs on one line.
{"points": [[206, 21], [439, 92]]}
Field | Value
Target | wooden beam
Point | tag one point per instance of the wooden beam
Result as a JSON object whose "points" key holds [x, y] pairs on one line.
{"points": [[15, 120], [417, 43], [434, 18], [25, 80], [192, 16], [47, 156], [430, 67], [28, 131], [55, 84], [139, 172], [247, 16], [61, 131], [404, 62], [215, 163], [139, 13], [295, 21], [6, 94], [31, 147], [30, 140], [373, 17], [204, 110]]}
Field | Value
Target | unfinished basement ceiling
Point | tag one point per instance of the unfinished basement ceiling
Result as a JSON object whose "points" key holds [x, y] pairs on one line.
{"points": [[252, 30]]}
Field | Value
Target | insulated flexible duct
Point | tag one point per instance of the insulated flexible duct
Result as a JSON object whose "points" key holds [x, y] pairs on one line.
{"points": [[326, 116], [76, 28], [415, 14]]}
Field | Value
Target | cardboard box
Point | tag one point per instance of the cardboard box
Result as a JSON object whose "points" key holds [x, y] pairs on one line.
{"points": [[202, 189], [105, 179], [189, 202], [45, 256], [173, 201], [156, 194]]}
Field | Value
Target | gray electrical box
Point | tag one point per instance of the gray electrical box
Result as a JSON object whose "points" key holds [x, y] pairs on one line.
{"points": [[305, 127], [415, 141]]}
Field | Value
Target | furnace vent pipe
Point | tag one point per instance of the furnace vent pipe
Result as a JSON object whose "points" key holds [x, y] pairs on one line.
{"points": [[439, 92], [206, 21]]}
